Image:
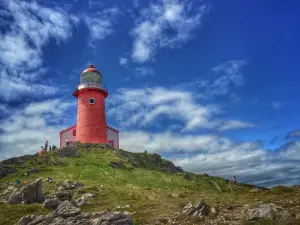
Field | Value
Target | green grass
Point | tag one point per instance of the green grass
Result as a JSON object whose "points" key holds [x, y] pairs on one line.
{"points": [[144, 188]]}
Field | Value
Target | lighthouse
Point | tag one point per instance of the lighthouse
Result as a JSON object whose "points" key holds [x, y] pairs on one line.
{"points": [[91, 126]]}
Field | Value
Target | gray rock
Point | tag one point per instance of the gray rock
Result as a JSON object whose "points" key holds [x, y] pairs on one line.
{"points": [[189, 209], [60, 189], [175, 195], [15, 198], [26, 220], [10, 170], [70, 215], [69, 185], [29, 193], [171, 169], [18, 160], [199, 210], [202, 208], [66, 210], [267, 211], [84, 199], [51, 203], [117, 164], [213, 210], [64, 195]]}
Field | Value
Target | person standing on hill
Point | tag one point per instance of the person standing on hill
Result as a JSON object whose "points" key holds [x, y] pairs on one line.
{"points": [[46, 145], [50, 148]]}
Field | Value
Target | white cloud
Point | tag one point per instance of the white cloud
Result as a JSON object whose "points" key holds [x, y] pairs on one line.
{"points": [[123, 61], [13, 87], [153, 28], [144, 107], [26, 129], [31, 27], [138, 140], [293, 134], [224, 80], [235, 124], [100, 24], [219, 156]]}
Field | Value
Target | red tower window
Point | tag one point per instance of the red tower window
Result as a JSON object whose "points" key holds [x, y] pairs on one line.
{"points": [[74, 132], [92, 100]]}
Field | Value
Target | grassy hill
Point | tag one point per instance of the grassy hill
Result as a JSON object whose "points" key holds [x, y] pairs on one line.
{"points": [[142, 181]]}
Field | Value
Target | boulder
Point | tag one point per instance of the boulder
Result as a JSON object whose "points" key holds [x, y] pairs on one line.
{"points": [[199, 210], [15, 198], [51, 203], [84, 199], [64, 195], [60, 189]]}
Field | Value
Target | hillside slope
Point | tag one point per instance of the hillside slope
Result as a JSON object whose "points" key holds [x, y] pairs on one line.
{"points": [[150, 188]]}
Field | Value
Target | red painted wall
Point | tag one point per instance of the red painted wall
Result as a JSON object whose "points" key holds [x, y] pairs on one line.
{"points": [[91, 118]]}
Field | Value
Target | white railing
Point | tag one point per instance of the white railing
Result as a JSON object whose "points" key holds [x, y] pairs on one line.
{"points": [[91, 85]]}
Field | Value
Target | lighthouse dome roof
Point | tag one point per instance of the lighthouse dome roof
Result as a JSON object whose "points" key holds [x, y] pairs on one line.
{"points": [[91, 68]]}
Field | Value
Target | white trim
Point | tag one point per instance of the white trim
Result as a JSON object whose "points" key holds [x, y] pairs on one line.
{"points": [[90, 101]]}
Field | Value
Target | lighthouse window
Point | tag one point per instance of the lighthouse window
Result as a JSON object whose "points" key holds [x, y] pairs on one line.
{"points": [[92, 101]]}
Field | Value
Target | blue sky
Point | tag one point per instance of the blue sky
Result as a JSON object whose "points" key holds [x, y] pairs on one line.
{"points": [[211, 85]]}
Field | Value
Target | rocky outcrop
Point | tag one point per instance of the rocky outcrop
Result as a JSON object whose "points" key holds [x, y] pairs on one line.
{"points": [[151, 161], [117, 164], [29, 193], [69, 151], [18, 160], [6, 169], [200, 209], [268, 211], [66, 213]]}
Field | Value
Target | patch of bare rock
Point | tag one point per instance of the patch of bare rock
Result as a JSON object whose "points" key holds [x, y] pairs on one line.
{"points": [[234, 215], [29, 193], [200, 209], [67, 213]]}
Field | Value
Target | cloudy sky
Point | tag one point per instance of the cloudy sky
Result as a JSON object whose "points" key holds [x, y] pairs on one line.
{"points": [[212, 85]]}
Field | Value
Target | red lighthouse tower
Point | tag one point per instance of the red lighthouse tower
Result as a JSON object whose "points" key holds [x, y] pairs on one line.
{"points": [[91, 124]]}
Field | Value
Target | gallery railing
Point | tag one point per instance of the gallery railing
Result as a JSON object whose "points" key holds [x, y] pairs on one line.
{"points": [[91, 85]]}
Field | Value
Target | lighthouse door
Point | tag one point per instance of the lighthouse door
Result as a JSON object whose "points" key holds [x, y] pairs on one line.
{"points": [[111, 143]]}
